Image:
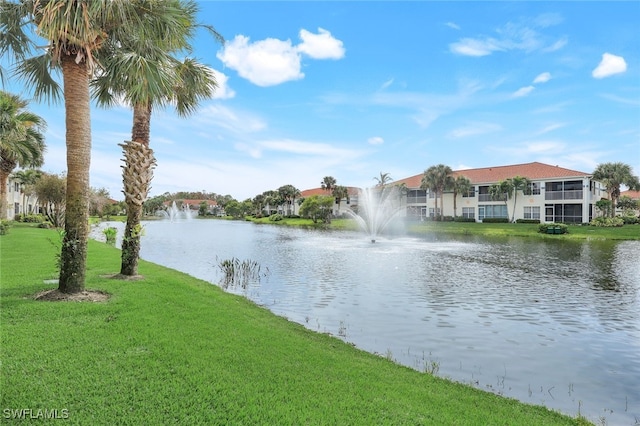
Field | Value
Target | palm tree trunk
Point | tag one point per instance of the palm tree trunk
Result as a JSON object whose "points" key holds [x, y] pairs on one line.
{"points": [[78, 139], [6, 166], [136, 175]]}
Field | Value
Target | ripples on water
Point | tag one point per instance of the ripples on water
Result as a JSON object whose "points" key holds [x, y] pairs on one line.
{"points": [[553, 323]]}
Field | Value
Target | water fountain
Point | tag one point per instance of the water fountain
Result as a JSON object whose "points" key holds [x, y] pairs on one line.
{"points": [[377, 207], [175, 214]]}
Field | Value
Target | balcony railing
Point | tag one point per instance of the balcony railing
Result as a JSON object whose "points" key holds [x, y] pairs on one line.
{"points": [[563, 195]]}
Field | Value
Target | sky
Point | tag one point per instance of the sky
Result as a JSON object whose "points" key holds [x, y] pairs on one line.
{"points": [[355, 89]]}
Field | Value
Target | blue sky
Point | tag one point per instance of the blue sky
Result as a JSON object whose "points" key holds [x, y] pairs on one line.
{"points": [[353, 89]]}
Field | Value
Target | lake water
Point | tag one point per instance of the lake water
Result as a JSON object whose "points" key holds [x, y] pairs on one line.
{"points": [[555, 323]]}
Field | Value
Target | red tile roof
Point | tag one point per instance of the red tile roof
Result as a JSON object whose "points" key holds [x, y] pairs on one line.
{"points": [[634, 195], [533, 171], [351, 190]]}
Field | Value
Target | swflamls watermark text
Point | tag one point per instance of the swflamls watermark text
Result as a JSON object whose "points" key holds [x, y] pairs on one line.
{"points": [[33, 413]]}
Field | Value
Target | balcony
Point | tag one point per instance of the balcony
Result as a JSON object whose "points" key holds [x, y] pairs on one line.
{"points": [[563, 195]]}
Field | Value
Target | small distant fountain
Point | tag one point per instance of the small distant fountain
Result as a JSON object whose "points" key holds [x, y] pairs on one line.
{"points": [[377, 207], [175, 214]]}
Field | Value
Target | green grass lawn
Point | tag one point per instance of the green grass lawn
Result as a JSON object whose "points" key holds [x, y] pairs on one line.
{"points": [[626, 232], [172, 349]]}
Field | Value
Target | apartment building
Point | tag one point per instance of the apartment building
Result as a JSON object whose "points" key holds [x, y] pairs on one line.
{"points": [[555, 194]]}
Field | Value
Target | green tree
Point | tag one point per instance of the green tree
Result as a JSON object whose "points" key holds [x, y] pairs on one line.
{"points": [[502, 191], [328, 183], [79, 34], [339, 193], [21, 140], [614, 175], [437, 179], [144, 74], [28, 179], [459, 185], [99, 198], [288, 195], [51, 192], [628, 205], [317, 207], [383, 179], [518, 183]]}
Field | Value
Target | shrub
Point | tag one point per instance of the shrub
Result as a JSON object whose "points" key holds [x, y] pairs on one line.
{"points": [[607, 222], [528, 221], [275, 217], [110, 235], [464, 219], [553, 228], [30, 218], [630, 220], [495, 220], [45, 225], [4, 227]]}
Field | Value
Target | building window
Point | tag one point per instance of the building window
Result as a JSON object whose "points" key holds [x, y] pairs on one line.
{"points": [[565, 213], [563, 190], [483, 193], [532, 212], [496, 210], [468, 212], [16, 186], [432, 212], [470, 194], [533, 188], [417, 196]]}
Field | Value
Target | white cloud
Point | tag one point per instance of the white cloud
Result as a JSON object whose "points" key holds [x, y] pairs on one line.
{"points": [[550, 128], [557, 45], [474, 129], [386, 84], [265, 63], [512, 36], [320, 46], [223, 91], [376, 140], [271, 61], [542, 78], [234, 120], [452, 25], [523, 91], [475, 47], [609, 65], [544, 147]]}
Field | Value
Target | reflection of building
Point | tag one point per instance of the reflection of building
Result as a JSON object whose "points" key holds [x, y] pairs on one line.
{"points": [[18, 202], [556, 195]]}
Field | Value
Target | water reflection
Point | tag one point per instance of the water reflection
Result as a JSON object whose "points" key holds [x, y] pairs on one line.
{"points": [[553, 323]]}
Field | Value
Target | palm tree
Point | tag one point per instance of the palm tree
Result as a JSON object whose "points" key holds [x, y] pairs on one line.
{"points": [[339, 192], [77, 32], [502, 191], [21, 141], [28, 179], [613, 175], [518, 183], [328, 183], [459, 185], [437, 178], [288, 195], [146, 76], [383, 179]]}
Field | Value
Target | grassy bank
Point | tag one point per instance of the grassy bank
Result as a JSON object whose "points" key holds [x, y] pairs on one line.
{"points": [[627, 232], [174, 349]]}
